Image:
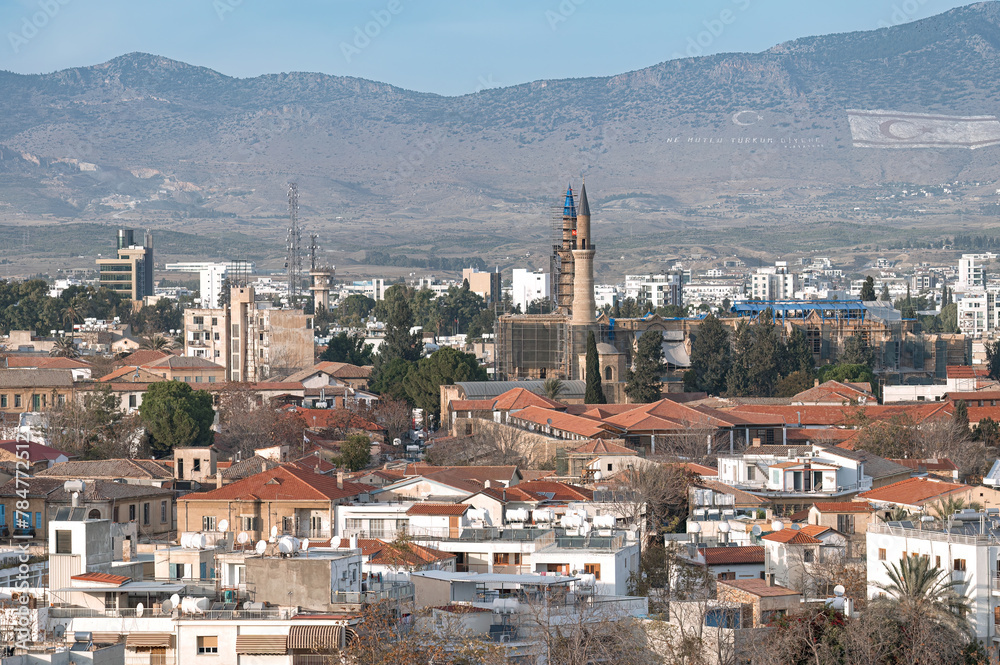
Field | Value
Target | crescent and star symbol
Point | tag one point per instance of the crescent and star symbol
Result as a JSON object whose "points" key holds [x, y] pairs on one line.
{"points": [[746, 118], [906, 132]]}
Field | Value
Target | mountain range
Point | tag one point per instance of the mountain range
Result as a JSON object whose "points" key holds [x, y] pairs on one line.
{"points": [[680, 152]]}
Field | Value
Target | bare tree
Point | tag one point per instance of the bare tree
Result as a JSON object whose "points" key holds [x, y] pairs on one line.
{"points": [[246, 423], [395, 415]]}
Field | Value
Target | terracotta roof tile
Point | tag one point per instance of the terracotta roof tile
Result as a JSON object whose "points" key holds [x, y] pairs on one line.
{"points": [[109, 468], [519, 398], [437, 509], [471, 405], [790, 536], [733, 555], [844, 507], [102, 578], [758, 587], [282, 483], [559, 491], [602, 447], [141, 357], [912, 491], [563, 421]]}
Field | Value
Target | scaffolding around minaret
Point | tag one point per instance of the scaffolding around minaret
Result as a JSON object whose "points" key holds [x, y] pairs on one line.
{"points": [[562, 268]]}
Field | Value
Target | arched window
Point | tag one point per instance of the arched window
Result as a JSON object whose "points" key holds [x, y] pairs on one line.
{"points": [[609, 375], [94, 514]]}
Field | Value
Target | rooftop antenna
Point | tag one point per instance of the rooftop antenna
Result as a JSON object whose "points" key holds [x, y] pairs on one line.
{"points": [[294, 241]]}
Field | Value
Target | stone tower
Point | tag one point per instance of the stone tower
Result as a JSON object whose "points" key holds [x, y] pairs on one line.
{"points": [[584, 310]]}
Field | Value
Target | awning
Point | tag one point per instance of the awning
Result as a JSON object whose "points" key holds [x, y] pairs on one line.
{"points": [[675, 353], [105, 638], [314, 638], [276, 645], [148, 640], [352, 636]]}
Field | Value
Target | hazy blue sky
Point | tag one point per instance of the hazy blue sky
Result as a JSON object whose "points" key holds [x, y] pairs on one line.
{"points": [[430, 45]]}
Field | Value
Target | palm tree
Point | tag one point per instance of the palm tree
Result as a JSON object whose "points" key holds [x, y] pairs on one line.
{"points": [[950, 505], [65, 347], [897, 514], [70, 316], [553, 388], [155, 343], [917, 589]]}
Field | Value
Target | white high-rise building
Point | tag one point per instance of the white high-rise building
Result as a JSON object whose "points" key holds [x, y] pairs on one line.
{"points": [[971, 270], [528, 287], [660, 290], [211, 278], [774, 283]]}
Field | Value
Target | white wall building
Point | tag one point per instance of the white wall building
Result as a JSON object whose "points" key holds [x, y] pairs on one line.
{"points": [[773, 283], [660, 290], [978, 311], [970, 559], [972, 271], [529, 286]]}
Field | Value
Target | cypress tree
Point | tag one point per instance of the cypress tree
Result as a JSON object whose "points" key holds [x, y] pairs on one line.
{"points": [[595, 390], [643, 380], [711, 357]]}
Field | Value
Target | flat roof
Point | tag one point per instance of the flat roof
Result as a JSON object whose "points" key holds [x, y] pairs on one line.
{"points": [[496, 578], [128, 587]]}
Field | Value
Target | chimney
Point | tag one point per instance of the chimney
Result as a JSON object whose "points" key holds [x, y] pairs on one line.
{"points": [[340, 479], [218, 479], [756, 442], [127, 550], [815, 383]]}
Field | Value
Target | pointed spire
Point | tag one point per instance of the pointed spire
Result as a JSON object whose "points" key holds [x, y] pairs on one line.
{"points": [[584, 204], [569, 207]]}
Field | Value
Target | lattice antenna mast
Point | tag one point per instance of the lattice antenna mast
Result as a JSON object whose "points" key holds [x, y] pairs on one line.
{"points": [[294, 260], [313, 247]]}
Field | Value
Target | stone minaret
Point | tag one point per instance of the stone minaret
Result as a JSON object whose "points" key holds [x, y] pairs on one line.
{"points": [[584, 305]]}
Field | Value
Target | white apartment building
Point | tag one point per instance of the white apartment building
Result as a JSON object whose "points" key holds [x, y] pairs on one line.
{"points": [[712, 292], [972, 271], [969, 554], [373, 288], [660, 290], [528, 286], [605, 295], [251, 339], [774, 283], [978, 311]]}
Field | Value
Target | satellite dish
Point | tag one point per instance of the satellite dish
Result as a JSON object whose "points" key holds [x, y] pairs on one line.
{"points": [[223, 526], [261, 546], [175, 600], [166, 607], [548, 421], [777, 525], [724, 527], [139, 610], [59, 630], [246, 605], [694, 528], [598, 476], [756, 530], [304, 544], [243, 538], [274, 531], [796, 527], [397, 442], [839, 590]]}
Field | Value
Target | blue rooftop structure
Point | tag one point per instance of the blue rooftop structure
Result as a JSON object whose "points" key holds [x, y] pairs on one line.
{"points": [[569, 207], [800, 309]]}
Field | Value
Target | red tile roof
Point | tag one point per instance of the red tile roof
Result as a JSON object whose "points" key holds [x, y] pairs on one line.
{"points": [[127, 375], [602, 447], [912, 491], [844, 507], [791, 536], [810, 414], [283, 483], [36, 451], [733, 555], [815, 530], [563, 421], [942, 464], [141, 357], [102, 578], [438, 509], [471, 405], [335, 419], [759, 587], [559, 491], [966, 371], [835, 392], [519, 398]]}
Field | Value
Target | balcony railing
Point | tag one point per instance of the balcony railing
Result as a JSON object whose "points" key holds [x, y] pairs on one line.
{"points": [[374, 594], [155, 613], [313, 533]]}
